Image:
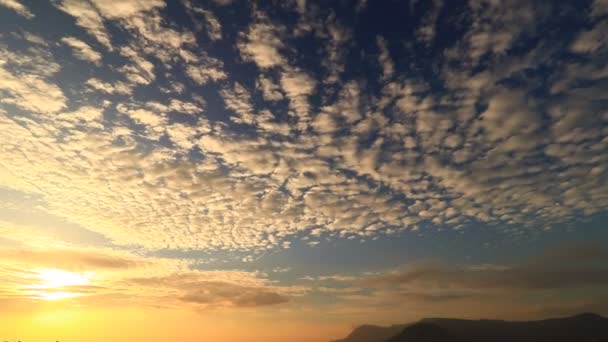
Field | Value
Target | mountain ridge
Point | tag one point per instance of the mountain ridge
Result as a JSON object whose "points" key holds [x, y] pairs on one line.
{"points": [[584, 327]]}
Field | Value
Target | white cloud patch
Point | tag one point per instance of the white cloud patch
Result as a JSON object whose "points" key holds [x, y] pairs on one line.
{"points": [[298, 85], [124, 9], [118, 87], [262, 44], [87, 17], [141, 70], [31, 93], [18, 7], [182, 135], [270, 90], [154, 122], [35, 39], [212, 24], [204, 74], [238, 100], [82, 50]]}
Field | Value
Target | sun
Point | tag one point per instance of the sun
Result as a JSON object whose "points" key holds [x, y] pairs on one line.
{"points": [[56, 284], [54, 278]]}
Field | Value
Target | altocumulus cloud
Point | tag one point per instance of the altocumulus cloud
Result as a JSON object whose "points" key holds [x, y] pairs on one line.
{"points": [[505, 125]]}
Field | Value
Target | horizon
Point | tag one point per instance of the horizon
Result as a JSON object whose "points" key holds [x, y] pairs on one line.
{"points": [[275, 170]]}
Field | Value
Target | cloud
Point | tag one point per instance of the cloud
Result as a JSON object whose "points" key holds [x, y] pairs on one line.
{"points": [[254, 156], [298, 86], [592, 40], [17, 7], [118, 87], [599, 8], [233, 295], [220, 289], [175, 142], [35, 39], [141, 71], [238, 100], [182, 135], [82, 50], [123, 9], [205, 70], [346, 110], [29, 272], [214, 29], [69, 259], [571, 265], [37, 60], [270, 90], [427, 30], [384, 59], [89, 117], [574, 252], [336, 48], [484, 279], [429, 287], [223, 2], [508, 113], [31, 92], [134, 16], [154, 122], [335, 36], [495, 28], [262, 44], [120, 278], [87, 17], [212, 24]]}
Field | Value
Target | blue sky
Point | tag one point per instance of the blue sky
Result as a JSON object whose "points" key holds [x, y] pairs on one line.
{"points": [[309, 148]]}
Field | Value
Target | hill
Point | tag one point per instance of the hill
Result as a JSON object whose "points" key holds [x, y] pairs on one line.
{"points": [[580, 328], [373, 333]]}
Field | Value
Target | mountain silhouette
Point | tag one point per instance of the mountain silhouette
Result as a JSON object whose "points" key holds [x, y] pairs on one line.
{"points": [[368, 332], [580, 328], [373, 333], [421, 332]]}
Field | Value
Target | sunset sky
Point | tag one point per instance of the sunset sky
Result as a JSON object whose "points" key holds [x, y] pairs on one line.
{"points": [[227, 170]]}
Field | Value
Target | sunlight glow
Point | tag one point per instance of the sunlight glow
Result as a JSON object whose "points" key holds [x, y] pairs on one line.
{"points": [[54, 278], [55, 284], [57, 295]]}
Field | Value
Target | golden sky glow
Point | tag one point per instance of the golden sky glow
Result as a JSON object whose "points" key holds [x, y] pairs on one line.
{"points": [[56, 284]]}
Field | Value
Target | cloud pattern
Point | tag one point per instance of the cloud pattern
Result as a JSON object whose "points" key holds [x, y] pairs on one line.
{"points": [[232, 132]]}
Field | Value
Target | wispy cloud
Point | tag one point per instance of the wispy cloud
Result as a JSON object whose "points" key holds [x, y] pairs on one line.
{"points": [[82, 50], [498, 290], [17, 7]]}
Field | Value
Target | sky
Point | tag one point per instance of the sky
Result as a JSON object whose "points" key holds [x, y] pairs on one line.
{"points": [[287, 170]]}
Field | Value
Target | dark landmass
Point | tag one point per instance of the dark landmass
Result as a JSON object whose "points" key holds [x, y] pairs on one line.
{"points": [[373, 333], [580, 328]]}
